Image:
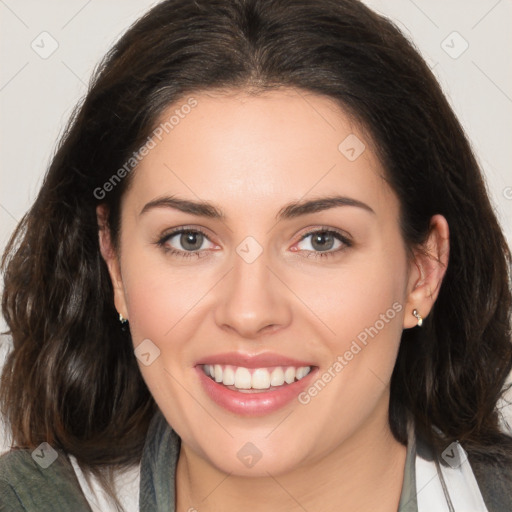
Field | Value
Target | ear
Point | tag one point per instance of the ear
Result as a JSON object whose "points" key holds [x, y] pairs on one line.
{"points": [[427, 270], [111, 259]]}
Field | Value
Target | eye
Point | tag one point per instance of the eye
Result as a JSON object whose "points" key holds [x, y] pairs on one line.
{"points": [[321, 242], [190, 242], [184, 242]]}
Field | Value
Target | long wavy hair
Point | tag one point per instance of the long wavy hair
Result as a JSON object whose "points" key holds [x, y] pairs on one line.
{"points": [[72, 378]]}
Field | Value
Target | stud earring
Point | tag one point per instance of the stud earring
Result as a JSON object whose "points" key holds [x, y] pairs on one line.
{"points": [[418, 316], [122, 319]]}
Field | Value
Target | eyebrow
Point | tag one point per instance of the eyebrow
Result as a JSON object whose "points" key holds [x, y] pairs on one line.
{"points": [[289, 211]]}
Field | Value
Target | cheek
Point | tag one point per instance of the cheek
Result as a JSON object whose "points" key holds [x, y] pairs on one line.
{"points": [[360, 300], [161, 303], [363, 307], [159, 292], [164, 307], [352, 386]]}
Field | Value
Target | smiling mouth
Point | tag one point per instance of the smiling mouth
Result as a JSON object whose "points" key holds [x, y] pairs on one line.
{"points": [[255, 380]]}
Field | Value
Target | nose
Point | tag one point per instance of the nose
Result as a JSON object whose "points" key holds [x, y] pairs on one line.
{"points": [[253, 299]]}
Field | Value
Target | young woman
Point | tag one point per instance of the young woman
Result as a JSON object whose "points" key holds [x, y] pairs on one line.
{"points": [[263, 271]]}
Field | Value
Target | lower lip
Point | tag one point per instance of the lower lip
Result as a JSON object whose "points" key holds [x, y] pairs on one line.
{"points": [[253, 404]]}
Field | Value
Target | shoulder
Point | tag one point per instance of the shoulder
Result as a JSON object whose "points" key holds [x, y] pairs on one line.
{"points": [[49, 484], [495, 483]]}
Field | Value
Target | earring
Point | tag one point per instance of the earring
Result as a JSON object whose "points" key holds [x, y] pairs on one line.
{"points": [[122, 319], [418, 316]]}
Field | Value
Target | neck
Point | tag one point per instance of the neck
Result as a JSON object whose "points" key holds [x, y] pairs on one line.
{"points": [[363, 473]]}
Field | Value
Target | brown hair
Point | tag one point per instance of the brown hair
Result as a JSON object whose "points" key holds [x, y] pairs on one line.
{"points": [[72, 379]]}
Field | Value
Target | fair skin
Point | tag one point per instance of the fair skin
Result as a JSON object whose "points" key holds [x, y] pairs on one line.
{"points": [[250, 156]]}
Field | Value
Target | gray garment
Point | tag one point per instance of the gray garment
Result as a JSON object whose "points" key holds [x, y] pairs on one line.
{"points": [[26, 487], [408, 501], [158, 467]]}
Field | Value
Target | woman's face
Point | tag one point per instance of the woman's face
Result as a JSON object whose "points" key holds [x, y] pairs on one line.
{"points": [[270, 277]]}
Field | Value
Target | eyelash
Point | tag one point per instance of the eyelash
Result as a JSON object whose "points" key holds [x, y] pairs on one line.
{"points": [[190, 254], [174, 252]]}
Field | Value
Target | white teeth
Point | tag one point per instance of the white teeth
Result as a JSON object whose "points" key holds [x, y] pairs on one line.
{"points": [[228, 376], [260, 378], [277, 377], [289, 375], [302, 372], [242, 378]]}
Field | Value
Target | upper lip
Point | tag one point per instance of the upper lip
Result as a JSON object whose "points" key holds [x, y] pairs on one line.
{"points": [[264, 360]]}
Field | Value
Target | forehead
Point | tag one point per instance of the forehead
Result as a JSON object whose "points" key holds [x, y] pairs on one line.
{"points": [[239, 149]]}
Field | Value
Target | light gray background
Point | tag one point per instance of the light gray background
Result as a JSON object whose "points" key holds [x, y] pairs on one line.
{"points": [[38, 94]]}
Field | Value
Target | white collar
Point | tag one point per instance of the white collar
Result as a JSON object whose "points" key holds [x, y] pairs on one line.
{"points": [[449, 487]]}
